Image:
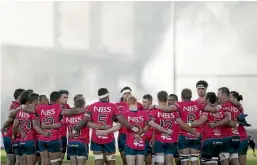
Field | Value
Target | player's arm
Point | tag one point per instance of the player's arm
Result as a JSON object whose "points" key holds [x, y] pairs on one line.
{"points": [[39, 130], [108, 131], [225, 121], [146, 127], [13, 112], [235, 103], [92, 125], [51, 126], [158, 127], [83, 122], [201, 121], [72, 112], [166, 108], [186, 127], [15, 127], [212, 108], [29, 108], [7, 123]]}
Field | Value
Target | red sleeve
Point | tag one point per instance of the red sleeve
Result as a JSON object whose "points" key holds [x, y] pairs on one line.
{"points": [[176, 115], [33, 116], [153, 113], [14, 105], [140, 106], [116, 110], [63, 121]]}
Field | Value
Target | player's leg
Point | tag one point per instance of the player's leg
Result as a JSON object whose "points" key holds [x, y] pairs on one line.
{"points": [[243, 151], [183, 150], [23, 157], [225, 150], [71, 153], [130, 155], [54, 149], [235, 145], [82, 153], [98, 153], [30, 152], [195, 147], [121, 146], [140, 159], [73, 160], [8, 146], [17, 153], [206, 152], [171, 149], [63, 147], [158, 153], [110, 150], [216, 148], [148, 156]]}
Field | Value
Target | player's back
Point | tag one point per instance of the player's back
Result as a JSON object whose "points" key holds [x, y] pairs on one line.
{"points": [[49, 114], [103, 113], [234, 111], [207, 131], [81, 135], [167, 121], [189, 111], [25, 121]]}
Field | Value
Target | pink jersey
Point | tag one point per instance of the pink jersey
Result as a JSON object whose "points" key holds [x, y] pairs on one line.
{"points": [[208, 132], [149, 134], [167, 121], [63, 129], [123, 107], [241, 129], [49, 113], [234, 111], [103, 113], [70, 122], [25, 120], [189, 111], [137, 119], [202, 102], [8, 133]]}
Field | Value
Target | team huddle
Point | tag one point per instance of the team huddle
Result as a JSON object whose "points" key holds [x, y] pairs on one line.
{"points": [[211, 128]]}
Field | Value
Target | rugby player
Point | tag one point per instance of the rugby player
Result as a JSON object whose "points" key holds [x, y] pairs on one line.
{"points": [[123, 107], [164, 145], [211, 137], [149, 135], [172, 100], [103, 112], [43, 99], [231, 140], [12, 147], [28, 123], [243, 148], [201, 87]]}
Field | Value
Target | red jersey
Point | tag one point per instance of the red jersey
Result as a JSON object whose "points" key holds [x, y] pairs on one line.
{"points": [[241, 129], [149, 134], [50, 113], [202, 102], [63, 129], [102, 113], [208, 132], [189, 111], [70, 122], [25, 120], [123, 107], [167, 121], [137, 119], [234, 111], [8, 133]]}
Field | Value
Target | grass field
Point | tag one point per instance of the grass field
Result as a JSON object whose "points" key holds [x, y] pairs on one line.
{"points": [[250, 159]]}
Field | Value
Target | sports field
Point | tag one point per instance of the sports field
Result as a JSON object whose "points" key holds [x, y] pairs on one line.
{"points": [[251, 160]]}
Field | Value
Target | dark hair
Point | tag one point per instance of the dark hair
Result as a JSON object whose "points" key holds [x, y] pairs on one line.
{"points": [[186, 93], [162, 96], [30, 90], [64, 92], [55, 96], [77, 96], [125, 88], [41, 97], [148, 97], [102, 91], [236, 95], [24, 97], [202, 82], [79, 103], [17, 93], [32, 97], [175, 96], [224, 90], [211, 96]]}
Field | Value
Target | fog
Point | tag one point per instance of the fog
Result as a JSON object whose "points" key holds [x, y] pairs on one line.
{"points": [[82, 46]]}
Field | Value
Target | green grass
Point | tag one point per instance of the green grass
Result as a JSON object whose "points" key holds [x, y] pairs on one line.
{"points": [[250, 159]]}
